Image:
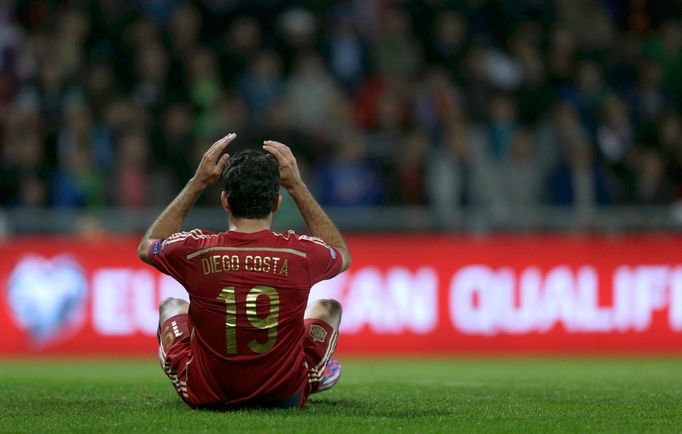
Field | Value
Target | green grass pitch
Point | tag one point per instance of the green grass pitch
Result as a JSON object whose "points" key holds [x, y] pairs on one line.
{"points": [[382, 395]]}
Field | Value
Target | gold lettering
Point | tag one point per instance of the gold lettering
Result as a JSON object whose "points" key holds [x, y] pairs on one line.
{"points": [[227, 294], [257, 263], [268, 323]]}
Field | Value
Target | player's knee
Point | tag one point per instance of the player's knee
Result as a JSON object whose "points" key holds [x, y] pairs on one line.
{"points": [[173, 304], [328, 310], [331, 306], [171, 307], [169, 302]]}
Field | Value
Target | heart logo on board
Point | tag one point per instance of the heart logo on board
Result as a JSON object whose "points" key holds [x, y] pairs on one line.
{"points": [[47, 297]]}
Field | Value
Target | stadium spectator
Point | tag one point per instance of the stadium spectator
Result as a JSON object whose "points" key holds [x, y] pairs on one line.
{"points": [[309, 93], [411, 169], [649, 99], [261, 83], [347, 54], [77, 182], [131, 173], [453, 171], [583, 94], [521, 178], [396, 51], [651, 188], [241, 40], [348, 178], [578, 180]]}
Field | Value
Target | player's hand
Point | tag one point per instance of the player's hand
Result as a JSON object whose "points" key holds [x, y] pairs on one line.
{"points": [[212, 164], [289, 176]]}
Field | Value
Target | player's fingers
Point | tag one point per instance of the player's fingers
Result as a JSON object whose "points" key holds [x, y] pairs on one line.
{"points": [[222, 162], [281, 162], [220, 145], [283, 149], [281, 146], [227, 140], [275, 153]]}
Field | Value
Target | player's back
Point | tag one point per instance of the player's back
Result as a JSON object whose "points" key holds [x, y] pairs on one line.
{"points": [[248, 294]]}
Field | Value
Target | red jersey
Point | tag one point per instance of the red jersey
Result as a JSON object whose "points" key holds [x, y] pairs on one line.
{"points": [[248, 293]]}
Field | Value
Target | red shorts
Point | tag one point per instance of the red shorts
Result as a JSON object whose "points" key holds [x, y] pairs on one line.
{"points": [[175, 353], [318, 346]]}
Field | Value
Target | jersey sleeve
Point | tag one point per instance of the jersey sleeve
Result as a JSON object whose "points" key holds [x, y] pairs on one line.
{"points": [[169, 255], [324, 261]]}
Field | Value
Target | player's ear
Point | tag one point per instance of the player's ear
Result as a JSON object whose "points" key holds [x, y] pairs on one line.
{"points": [[277, 204], [224, 202]]}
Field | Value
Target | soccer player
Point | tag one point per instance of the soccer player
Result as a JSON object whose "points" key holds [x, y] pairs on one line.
{"points": [[246, 338]]}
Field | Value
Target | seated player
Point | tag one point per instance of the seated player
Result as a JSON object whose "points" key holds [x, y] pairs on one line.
{"points": [[245, 338]]}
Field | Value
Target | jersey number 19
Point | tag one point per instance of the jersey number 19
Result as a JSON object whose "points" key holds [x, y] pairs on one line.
{"points": [[268, 323]]}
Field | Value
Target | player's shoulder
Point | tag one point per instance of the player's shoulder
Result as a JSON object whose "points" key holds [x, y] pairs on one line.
{"points": [[305, 243], [195, 234], [294, 238], [192, 237]]}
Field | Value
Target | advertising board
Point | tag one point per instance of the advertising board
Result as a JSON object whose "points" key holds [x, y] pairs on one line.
{"points": [[405, 294]]}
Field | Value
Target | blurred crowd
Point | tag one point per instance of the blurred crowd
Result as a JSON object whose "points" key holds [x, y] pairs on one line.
{"points": [[454, 104]]}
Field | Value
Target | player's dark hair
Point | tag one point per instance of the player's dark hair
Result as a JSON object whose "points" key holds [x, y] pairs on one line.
{"points": [[251, 183]]}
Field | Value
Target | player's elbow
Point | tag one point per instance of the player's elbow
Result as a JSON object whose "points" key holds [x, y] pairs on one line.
{"points": [[347, 260], [143, 250]]}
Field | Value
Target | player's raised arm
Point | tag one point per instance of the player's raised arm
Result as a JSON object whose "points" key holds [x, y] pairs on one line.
{"points": [[171, 219], [318, 222]]}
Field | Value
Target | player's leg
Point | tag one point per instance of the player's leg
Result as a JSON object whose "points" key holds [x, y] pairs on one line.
{"points": [[174, 343], [322, 320]]}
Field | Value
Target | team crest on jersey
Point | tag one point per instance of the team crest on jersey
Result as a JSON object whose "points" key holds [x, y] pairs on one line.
{"points": [[318, 333]]}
